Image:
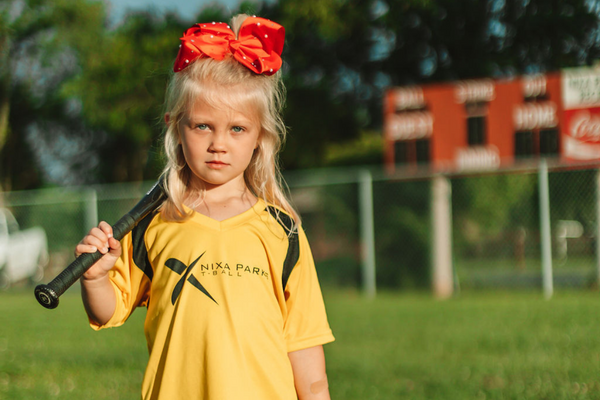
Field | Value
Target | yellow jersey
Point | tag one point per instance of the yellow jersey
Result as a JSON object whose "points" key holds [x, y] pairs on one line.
{"points": [[226, 301]]}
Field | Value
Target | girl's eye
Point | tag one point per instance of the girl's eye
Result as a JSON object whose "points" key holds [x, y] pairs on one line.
{"points": [[202, 127], [237, 129]]}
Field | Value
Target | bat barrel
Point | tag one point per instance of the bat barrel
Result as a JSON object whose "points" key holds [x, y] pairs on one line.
{"points": [[47, 295]]}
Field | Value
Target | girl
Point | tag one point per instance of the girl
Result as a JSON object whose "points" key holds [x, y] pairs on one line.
{"points": [[234, 308]]}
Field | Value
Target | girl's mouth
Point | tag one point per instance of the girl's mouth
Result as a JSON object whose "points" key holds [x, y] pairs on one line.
{"points": [[216, 164]]}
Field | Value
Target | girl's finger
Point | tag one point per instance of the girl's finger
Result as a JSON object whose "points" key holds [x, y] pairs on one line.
{"points": [[102, 245], [114, 243], [106, 228], [84, 248], [99, 233]]}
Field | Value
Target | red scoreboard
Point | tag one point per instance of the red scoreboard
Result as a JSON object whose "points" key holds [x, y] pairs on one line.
{"points": [[489, 124]]}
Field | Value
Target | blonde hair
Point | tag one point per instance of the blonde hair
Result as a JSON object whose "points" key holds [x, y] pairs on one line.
{"points": [[226, 83]]}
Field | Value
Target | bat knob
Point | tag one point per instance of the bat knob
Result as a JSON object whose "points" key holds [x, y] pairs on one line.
{"points": [[46, 296]]}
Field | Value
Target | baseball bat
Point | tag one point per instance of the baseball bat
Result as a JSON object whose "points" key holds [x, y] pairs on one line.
{"points": [[47, 295]]}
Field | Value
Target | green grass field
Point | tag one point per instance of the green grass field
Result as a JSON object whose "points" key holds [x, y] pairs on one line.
{"points": [[481, 345]]}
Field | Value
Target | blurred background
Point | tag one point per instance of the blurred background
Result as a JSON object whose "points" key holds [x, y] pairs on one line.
{"points": [[412, 186]]}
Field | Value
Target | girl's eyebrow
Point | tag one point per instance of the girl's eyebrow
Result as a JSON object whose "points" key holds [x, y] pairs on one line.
{"points": [[241, 122], [195, 118]]}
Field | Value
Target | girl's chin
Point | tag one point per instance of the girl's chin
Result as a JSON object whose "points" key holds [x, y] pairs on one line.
{"points": [[211, 182]]}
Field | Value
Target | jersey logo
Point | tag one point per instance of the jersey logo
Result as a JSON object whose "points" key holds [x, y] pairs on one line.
{"points": [[179, 267]]}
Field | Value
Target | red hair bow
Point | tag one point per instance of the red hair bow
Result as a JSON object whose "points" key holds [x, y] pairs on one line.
{"points": [[258, 47]]}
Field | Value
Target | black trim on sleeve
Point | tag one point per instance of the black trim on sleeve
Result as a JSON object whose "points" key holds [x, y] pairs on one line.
{"points": [[293, 252], [140, 253]]}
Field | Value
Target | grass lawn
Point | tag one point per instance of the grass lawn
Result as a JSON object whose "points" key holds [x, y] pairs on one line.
{"points": [[481, 345]]}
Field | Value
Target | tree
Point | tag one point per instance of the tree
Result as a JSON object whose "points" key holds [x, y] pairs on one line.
{"points": [[539, 35], [325, 43], [119, 87], [38, 41]]}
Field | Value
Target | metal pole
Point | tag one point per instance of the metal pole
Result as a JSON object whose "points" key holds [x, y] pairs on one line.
{"points": [[367, 232], [91, 210], [441, 222], [545, 235]]}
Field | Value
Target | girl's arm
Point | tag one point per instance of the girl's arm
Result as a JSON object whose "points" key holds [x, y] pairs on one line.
{"points": [[99, 299], [97, 292], [310, 377]]}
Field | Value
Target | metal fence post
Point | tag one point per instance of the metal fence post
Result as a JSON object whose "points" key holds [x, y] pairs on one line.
{"points": [[367, 232], [441, 221], [545, 233], [91, 210]]}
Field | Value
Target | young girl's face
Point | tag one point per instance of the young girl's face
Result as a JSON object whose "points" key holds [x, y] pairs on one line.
{"points": [[218, 143]]}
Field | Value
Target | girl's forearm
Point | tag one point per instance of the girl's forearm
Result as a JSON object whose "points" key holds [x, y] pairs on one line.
{"points": [[99, 299], [310, 376]]}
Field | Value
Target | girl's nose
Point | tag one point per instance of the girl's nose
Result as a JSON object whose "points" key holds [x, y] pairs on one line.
{"points": [[218, 143]]}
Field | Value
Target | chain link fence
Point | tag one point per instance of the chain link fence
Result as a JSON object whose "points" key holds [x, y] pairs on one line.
{"points": [[496, 229], [67, 214], [495, 225]]}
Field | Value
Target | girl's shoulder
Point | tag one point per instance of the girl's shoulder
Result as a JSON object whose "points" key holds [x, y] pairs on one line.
{"points": [[282, 217]]}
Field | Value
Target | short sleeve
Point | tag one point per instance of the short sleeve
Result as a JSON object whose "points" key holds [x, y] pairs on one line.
{"points": [[306, 324], [131, 285]]}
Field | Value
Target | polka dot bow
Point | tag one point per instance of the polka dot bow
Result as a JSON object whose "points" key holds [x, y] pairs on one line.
{"points": [[258, 47]]}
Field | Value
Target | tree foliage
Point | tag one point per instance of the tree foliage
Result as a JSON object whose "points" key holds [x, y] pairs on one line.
{"points": [[39, 40], [82, 75], [121, 90]]}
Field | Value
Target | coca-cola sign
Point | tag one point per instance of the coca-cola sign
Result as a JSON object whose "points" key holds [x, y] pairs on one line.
{"points": [[581, 138], [585, 126]]}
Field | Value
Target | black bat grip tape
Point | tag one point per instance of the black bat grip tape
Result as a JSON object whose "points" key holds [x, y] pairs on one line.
{"points": [[47, 295]]}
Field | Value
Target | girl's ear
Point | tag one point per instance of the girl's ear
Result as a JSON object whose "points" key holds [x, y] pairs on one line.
{"points": [[258, 140]]}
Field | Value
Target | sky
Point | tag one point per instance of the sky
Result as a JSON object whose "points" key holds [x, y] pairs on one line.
{"points": [[185, 8]]}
